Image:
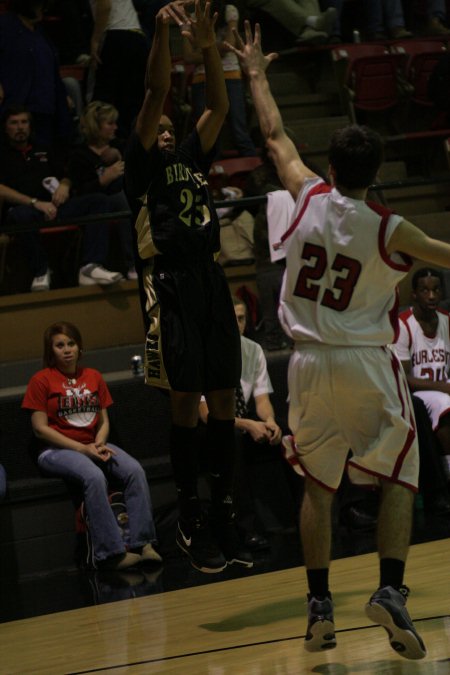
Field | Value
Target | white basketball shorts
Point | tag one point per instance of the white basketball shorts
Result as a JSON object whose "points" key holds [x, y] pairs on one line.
{"points": [[352, 399]]}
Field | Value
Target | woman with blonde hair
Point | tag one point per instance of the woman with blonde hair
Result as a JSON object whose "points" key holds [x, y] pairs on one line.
{"points": [[96, 166]]}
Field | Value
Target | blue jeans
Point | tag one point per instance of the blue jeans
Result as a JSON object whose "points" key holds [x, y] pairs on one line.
{"points": [[383, 13], [237, 113], [95, 235], [438, 9], [2, 483], [92, 478]]}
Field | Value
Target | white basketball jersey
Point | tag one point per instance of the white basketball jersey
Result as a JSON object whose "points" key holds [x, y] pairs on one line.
{"points": [[429, 356], [340, 285]]}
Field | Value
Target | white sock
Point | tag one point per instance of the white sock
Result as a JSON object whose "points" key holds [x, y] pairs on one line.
{"points": [[311, 21]]}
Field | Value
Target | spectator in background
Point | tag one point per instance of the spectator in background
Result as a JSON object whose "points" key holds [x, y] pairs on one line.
{"points": [[336, 31], [385, 16], [29, 72], [35, 188], [436, 13], [118, 57], [302, 18], [69, 416], [96, 166], [423, 347], [227, 22]]}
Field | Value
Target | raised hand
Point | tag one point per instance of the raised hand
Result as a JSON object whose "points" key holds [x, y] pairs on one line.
{"points": [[200, 30], [249, 53], [175, 12]]}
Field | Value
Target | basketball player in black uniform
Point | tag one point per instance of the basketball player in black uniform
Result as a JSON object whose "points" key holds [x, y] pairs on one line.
{"points": [[192, 344]]}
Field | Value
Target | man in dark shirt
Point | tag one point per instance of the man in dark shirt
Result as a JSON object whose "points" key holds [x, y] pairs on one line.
{"points": [[34, 188]]}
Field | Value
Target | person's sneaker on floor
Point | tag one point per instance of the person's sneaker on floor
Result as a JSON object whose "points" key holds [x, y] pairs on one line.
{"points": [[195, 540], [92, 274], [320, 632], [387, 608], [231, 545], [41, 283]]}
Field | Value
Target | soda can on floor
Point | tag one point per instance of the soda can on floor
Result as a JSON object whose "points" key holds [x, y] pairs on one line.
{"points": [[137, 366]]}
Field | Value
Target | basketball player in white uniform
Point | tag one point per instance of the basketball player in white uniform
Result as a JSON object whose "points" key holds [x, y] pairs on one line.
{"points": [[423, 347], [347, 390]]}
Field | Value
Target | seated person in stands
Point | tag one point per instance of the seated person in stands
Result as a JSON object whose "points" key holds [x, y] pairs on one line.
{"points": [[35, 188], [118, 58], [29, 71], [423, 347], [302, 18], [96, 166], [336, 32], [436, 18], [69, 416], [252, 431], [385, 16], [226, 24]]}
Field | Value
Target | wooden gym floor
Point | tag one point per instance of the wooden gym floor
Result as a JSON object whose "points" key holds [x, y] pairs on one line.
{"points": [[248, 626]]}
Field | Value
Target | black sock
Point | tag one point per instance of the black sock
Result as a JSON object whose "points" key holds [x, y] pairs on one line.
{"points": [[391, 572], [221, 448], [184, 457], [318, 582]]}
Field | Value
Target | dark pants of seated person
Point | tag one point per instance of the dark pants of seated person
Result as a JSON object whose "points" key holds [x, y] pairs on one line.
{"points": [[95, 235], [118, 202], [432, 481], [248, 453]]}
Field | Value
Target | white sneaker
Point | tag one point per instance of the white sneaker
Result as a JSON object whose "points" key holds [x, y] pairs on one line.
{"points": [[41, 283], [92, 274], [132, 274]]}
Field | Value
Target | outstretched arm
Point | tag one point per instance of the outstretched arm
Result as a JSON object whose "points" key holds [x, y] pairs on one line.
{"points": [[157, 76], [202, 36], [291, 169], [409, 239]]}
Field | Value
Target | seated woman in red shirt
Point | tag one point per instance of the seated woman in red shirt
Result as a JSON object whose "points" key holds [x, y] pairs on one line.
{"points": [[69, 417]]}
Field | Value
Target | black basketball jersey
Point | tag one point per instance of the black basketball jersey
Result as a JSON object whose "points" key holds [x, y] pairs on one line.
{"points": [[183, 221]]}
